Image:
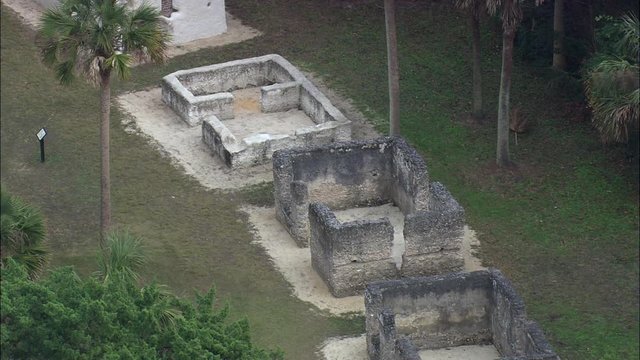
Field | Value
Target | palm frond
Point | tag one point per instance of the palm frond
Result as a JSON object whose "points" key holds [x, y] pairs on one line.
{"points": [[122, 258], [22, 232], [33, 258], [89, 37], [120, 63], [144, 34], [629, 44]]}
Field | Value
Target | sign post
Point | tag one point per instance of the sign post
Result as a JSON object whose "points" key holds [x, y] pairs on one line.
{"points": [[41, 134]]}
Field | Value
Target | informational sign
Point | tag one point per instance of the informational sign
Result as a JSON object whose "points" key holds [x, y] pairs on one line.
{"points": [[41, 134]]}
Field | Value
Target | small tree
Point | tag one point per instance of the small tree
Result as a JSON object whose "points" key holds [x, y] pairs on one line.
{"points": [[511, 17], [123, 257], [94, 38], [66, 317], [21, 234]]}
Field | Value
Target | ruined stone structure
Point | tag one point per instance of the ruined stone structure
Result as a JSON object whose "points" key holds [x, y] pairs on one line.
{"points": [[203, 96], [311, 183], [411, 314]]}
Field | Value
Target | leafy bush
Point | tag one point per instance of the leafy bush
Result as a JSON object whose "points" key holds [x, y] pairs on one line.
{"points": [[66, 317]]}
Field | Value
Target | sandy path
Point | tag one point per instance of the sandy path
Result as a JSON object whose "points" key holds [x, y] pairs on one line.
{"points": [[183, 143], [295, 263]]}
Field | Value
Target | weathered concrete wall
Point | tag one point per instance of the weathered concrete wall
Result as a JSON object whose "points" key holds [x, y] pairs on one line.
{"points": [[410, 190], [433, 237], [309, 182], [451, 310], [183, 90], [280, 97], [349, 255], [341, 175]]}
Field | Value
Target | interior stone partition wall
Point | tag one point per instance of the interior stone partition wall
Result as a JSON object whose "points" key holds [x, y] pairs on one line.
{"points": [[310, 183], [411, 314], [202, 96]]}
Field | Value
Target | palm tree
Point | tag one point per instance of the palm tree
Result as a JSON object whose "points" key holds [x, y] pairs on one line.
{"points": [[94, 38], [21, 234], [475, 11], [122, 258], [511, 17], [392, 67]]}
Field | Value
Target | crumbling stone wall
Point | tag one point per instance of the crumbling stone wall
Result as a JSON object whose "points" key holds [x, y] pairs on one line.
{"points": [[312, 182], [450, 310], [349, 255], [346, 175]]}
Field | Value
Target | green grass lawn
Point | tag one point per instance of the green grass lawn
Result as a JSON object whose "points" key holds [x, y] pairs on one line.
{"points": [[563, 226]]}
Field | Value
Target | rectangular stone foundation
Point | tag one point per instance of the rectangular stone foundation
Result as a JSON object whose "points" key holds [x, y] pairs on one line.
{"points": [[204, 96]]}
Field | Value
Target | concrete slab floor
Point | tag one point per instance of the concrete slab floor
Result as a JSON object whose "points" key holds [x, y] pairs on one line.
{"points": [[355, 348], [250, 120]]}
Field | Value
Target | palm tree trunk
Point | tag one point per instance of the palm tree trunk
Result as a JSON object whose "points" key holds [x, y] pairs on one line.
{"points": [[476, 112], [105, 179], [502, 153], [559, 60], [393, 71], [166, 8]]}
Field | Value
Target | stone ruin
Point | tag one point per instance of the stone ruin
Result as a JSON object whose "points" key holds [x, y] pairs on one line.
{"points": [[204, 96], [408, 315], [312, 186]]}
